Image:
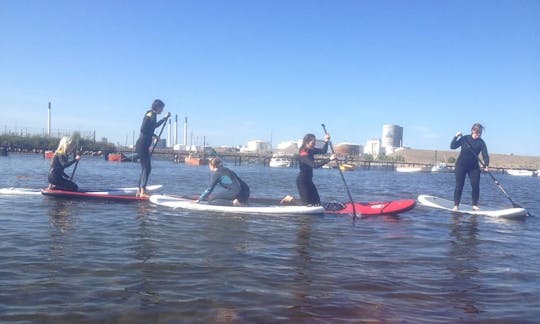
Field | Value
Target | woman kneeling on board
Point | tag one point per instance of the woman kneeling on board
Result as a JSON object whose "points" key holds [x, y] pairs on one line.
{"points": [[58, 179], [306, 162], [231, 187]]}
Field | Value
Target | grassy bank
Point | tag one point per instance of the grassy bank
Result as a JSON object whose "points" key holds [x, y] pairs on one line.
{"points": [[506, 161], [33, 143]]}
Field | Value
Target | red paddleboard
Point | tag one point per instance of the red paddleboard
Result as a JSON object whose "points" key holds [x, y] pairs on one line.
{"points": [[91, 195], [372, 208]]}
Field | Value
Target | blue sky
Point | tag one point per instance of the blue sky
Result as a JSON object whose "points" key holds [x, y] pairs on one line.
{"points": [[275, 70]]}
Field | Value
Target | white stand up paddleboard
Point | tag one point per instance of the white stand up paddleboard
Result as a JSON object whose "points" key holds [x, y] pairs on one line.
{"points": [[190, 204], [446, 204], [112, 191]]}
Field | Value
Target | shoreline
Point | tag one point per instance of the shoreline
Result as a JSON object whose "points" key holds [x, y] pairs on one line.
{"points": [[503, 161]]}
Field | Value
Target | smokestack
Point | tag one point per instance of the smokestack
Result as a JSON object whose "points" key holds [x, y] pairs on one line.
{"points": [[185, 131], [169, 135], [175, 129], [49, 121]]}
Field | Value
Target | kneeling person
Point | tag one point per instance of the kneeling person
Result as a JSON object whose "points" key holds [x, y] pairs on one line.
{"points": [[225, 185], [57, 177]]}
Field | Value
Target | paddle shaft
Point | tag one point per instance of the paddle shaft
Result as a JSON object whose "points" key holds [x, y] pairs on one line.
{"points": [[159, 136], [492, 177], [341, 174], [73, 172], [75, 167]]}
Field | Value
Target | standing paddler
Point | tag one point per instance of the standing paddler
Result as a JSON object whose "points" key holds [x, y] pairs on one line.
{"points": [[144, 142]]}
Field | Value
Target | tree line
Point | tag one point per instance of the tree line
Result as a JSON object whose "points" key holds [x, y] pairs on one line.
{"points": [[32, 143]]}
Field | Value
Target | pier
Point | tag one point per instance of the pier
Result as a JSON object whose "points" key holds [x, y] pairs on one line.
{"points": [[241, 158]]}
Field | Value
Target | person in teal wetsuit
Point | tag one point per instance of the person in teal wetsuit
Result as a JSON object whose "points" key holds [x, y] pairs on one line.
{"points": [[225, 186]]}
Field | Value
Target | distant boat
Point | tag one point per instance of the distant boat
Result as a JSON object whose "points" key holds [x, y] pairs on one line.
{"points": [[441, 167], [3, 151], [522, 173], [115, 157], [341, 165], [121, 157], [195, 160], [346, 167], [280, 161], [48, 155], [420, 169]]}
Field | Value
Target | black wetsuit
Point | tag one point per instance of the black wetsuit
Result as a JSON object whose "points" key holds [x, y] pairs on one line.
{"points": [[230, 187], [149, 125], [467, 163], [306, 161], [57, 176]]}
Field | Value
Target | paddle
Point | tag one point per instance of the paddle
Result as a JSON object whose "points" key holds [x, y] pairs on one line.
{"points": [[341, 174], [514, 204], [159, 136], [76, 164], [73, 172]]}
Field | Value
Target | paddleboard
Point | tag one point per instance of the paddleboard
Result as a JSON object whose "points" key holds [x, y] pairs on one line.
{"points": [[190, 204], [116, 191], [103, 195], [392, 207], [446, 204], [19, 191]]}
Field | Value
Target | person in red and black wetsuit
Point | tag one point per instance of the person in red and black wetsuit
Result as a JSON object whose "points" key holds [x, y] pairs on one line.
{"points": [[149, 125], [306, 161]]}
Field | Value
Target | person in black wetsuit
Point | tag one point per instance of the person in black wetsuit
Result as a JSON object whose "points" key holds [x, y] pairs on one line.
{"points": [[467, 163], [149, 125], [225, 186], [306, 161], [57, 177]]}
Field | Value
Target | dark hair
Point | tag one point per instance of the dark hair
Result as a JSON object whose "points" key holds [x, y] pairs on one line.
{"points": [[307, 138], [477, 126], [157, 104]]}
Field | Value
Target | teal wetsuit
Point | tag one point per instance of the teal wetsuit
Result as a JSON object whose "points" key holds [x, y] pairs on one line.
{"points": [[226, 185]]}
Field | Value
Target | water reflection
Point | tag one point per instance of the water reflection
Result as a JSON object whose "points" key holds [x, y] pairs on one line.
{"points": [[145, 250], [463, 259], [303, 278], [61, 221]]}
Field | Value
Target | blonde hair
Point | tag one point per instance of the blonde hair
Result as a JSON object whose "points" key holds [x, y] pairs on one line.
{"points": [[216, 163], [65, 145]]}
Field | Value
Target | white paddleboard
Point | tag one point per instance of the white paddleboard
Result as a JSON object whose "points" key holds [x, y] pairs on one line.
{"points": [[19, 191], [178, 202], [446, 204], [113, 191], [121, 191]]}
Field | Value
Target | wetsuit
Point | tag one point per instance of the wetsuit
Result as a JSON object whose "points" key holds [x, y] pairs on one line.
{"points": [[306, 161], [57, 176], [229, 187], [149, 125], [467, 163]]}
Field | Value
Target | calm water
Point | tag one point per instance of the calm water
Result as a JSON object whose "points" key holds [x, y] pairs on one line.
{"points": [[134, 262]]}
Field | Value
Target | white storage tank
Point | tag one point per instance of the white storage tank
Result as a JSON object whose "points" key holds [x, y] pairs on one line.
{"points": [[392, 136]]}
